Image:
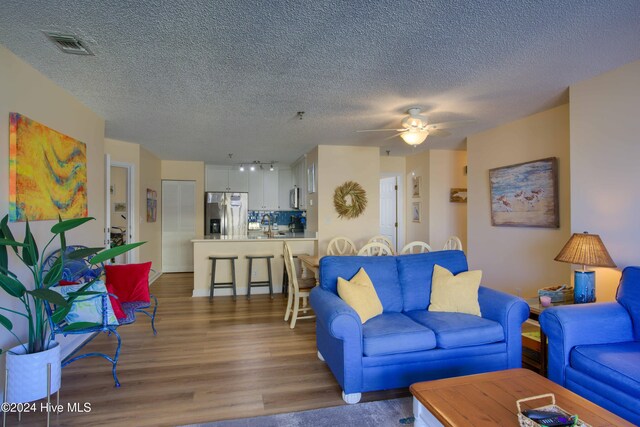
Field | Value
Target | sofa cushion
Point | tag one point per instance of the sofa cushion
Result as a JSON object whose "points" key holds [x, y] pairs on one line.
{"points": [[415, 273], [455, 330], [360, 294], [613, 364], [382, 271], [628, 296], [394, 333], [456, 294]]}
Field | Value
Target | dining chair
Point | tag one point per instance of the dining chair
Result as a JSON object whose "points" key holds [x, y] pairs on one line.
{"points": [[415, 247], [382, 239], [375, 249], [453, 244], [299, 289], [341, 246]]}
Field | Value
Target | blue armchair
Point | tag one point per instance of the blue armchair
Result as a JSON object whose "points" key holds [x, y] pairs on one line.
{"points": [[594, 349]]}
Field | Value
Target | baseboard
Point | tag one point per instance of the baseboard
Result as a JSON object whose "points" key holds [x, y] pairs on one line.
{"points": [[155, 275], [277, 289]]}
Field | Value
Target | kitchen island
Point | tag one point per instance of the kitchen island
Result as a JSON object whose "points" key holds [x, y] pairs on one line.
{"points": [[251, 244]]}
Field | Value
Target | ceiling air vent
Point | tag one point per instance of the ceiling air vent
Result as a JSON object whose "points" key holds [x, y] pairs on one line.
{"points": [[68, 43]]}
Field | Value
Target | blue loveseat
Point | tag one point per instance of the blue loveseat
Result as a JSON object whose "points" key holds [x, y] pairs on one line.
{"points": [[406, 343], [594, 349]]}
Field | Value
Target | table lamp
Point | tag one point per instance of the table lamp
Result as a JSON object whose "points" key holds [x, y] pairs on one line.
{"points": [[585, 249]]}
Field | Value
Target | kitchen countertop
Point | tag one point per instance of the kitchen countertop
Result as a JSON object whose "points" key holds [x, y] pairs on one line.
{"points": [[253, 237]]}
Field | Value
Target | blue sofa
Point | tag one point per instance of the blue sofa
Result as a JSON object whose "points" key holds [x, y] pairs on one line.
{"points": [[406, 343], [594, 349]]}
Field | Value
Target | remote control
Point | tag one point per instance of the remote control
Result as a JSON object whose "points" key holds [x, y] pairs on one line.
{"points": [[548, 418]]}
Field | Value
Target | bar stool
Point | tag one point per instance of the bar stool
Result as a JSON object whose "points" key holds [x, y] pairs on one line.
{"points": [[259, 283], [223, 285]]}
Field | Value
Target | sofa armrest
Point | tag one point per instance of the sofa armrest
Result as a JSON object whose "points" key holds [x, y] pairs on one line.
{"points": [[335, 315], [510, 311], [571, 325]]}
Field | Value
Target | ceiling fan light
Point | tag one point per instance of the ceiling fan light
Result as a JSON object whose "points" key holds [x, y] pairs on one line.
{"points": [[414, 137]]}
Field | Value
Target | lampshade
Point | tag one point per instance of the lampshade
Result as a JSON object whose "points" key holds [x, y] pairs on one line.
{"points": [[585, 249], [414, 136]]}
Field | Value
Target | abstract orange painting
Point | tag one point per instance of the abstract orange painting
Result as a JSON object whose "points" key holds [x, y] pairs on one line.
{"points": [[47, 172]]}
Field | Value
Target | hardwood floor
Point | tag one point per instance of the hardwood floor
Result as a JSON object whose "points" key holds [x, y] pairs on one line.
{"points": [[208, 362]]}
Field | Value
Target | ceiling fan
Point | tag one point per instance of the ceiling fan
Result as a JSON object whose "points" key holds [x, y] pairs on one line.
{"points": [[416, 128]]}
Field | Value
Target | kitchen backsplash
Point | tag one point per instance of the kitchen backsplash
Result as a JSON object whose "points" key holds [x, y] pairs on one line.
{"points": [[279, 217]]}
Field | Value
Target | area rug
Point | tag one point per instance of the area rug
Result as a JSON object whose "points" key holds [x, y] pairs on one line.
{"points": [[394, 412]]}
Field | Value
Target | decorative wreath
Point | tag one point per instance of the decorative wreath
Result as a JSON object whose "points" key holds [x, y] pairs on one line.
{"points": [[350, 200]]}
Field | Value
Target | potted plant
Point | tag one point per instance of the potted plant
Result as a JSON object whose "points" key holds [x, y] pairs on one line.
{"points": [[27, 362]]}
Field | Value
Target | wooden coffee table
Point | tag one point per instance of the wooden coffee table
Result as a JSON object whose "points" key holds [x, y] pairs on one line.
{"points": [[490, 400]]}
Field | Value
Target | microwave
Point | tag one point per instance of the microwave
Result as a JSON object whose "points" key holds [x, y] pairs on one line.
{"points": [[294, 198]]}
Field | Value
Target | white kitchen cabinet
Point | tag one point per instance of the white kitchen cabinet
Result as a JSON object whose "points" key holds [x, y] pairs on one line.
{"points": [[270, 190], [263, 190], [285, 184], [299, 178], [225, 178]]}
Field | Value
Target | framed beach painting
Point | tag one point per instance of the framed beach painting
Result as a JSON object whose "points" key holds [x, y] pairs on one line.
{"points": [[415, 184], [415, 211], [525, 194]]}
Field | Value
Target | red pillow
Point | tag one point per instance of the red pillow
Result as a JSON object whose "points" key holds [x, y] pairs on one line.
{"points": [[67, 283], [129, 281], [115, 304]]}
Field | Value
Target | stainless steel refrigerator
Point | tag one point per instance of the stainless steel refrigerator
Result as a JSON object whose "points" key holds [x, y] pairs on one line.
{"points": [[226, 214]]}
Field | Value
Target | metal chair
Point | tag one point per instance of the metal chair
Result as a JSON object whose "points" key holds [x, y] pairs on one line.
{"points": [[452, 244], [375, 249], [299, 288], [341, 246], [415, 247], [223, 285], [259, 283]]}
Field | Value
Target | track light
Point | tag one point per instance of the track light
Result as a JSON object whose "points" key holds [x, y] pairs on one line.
{"points": [[241, 168], [271, 168], [252, 168]]}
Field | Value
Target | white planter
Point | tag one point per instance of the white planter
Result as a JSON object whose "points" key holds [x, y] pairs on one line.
{"points": [[27, 373]]}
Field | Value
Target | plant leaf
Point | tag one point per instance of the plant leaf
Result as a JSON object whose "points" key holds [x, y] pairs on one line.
{"points": [[63, 239], [30, 249], [54, 274], [60, 314], [80, 325], [49, 296], [69, 224], [6, 322], [10, 242], [114, 252], [4, 226], [12, 286], [4, 258], [83, 253]]}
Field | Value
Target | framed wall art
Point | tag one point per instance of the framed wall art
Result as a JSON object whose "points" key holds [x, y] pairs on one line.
{"points": [[458, 195], [415, 184], [47, 172], [415, 211], [152, 205], [525, 194]]}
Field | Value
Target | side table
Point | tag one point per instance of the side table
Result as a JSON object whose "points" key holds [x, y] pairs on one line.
{"points": [[535, 308]]}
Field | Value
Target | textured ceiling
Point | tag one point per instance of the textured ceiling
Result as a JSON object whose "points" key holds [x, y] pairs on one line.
{"points": [[198, 79]]}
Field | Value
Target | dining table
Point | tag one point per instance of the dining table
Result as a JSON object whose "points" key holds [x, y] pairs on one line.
{"points": [[311, 263]]}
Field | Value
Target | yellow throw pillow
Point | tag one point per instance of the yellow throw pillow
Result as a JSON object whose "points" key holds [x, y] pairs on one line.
{"points": [[360, 294], [457, 294]]}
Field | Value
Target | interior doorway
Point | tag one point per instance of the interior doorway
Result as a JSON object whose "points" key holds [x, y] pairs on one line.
{"points": [[120, 206], [391, 212]]}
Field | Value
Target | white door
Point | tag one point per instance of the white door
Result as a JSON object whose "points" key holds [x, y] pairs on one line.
{"points": [[389, 210], [178, 225]]}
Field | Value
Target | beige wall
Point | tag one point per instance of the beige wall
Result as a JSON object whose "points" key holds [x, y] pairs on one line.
{"points": [[150, 232], [446, 171], [335, 166], [26, 91], [188, 171], [604, 167], [418, 166], [517, 259]]}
